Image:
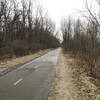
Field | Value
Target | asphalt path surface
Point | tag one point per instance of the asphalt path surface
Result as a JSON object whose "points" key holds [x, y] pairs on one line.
{"points": [[31, 81]]}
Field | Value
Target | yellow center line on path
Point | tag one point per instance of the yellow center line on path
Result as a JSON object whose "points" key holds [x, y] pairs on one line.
{"points": [[17, 82]]}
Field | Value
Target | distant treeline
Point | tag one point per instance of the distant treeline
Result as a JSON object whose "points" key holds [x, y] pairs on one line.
{"points": [[22, 31]]}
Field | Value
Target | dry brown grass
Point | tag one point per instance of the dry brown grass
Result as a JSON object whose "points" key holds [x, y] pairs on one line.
{"points": [[85, 89], [17, 61], [62, 84], [71, 82]]}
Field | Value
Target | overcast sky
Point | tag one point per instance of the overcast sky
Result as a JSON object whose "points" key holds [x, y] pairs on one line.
{"points": [[59, 9]]}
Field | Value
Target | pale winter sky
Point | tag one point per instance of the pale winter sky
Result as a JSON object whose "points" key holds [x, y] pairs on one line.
{"points": [[59, 9], [62, 8]]}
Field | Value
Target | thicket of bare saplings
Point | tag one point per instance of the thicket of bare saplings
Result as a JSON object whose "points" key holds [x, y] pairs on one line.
{"points": [[82, 40], [21, 31]]}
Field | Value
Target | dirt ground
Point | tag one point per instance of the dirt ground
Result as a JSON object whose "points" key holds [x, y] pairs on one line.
{"points": [[21, 60], [70, 83]]}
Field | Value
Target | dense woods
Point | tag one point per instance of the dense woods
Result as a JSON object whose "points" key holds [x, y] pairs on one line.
{"points": [[22, 31], [82, 38]]}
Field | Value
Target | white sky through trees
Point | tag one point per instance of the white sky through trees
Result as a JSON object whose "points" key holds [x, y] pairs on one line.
{"points": [[62, 8], [58, 9]]}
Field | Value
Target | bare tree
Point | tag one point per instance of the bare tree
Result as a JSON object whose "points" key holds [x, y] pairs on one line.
{"points": [[66, 28], [84, 43], [21, 32]]}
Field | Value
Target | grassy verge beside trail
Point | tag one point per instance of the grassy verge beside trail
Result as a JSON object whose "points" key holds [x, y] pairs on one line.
{"points": [[71, 82], [21, 60]]}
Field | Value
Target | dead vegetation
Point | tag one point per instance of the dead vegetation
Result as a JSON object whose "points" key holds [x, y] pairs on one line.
{"points": [[24, 30], [86, 89], [82, 39], [21, 60], [82, 43], [72, 82], [62, 82]]}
